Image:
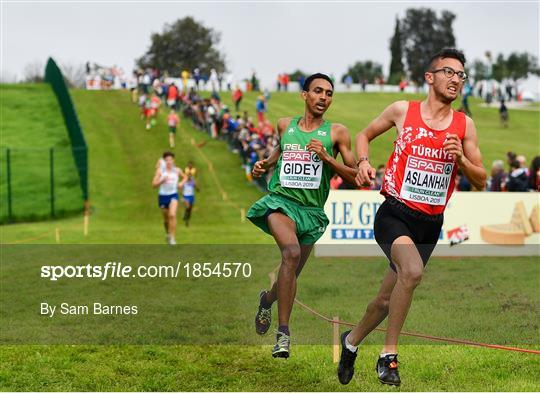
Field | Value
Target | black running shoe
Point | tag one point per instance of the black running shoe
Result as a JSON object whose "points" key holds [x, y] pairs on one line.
{"points": [[387, 370], [345, 369], [282, 347], [263, 318]]}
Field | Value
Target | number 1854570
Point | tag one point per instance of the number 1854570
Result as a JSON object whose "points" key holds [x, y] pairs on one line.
{"points": [[218, 270]]}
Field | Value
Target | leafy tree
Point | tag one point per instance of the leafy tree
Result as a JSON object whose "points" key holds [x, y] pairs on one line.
{"points": [[515, 66], [479, 70], [295, 76], [397, 70], [185, 44], [364, 70], [499, 70], [424, 34], [520, 65]]}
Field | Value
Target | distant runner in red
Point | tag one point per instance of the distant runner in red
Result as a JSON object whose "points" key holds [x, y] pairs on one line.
{"points": [[172, 121], [432, 142], [172, 96]]}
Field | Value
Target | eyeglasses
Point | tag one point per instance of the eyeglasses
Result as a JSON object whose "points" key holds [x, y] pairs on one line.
{"points": [[449, 73]]}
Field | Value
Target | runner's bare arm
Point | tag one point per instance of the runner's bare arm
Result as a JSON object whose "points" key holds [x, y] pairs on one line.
{"points": [[181, 173], [262, 166], [390, 117], [343, 141], [157, 179], [182, 181], [468, 156]]}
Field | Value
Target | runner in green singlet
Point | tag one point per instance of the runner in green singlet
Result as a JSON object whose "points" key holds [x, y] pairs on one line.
{"points": [[293, 211]]}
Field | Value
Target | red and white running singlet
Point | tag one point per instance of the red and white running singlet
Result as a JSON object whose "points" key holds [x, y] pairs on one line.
{"points": [[419, 172]]}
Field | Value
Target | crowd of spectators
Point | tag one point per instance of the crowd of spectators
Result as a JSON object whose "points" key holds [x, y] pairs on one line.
{"points": [[99, 77], [518, 177], [251, 140]]}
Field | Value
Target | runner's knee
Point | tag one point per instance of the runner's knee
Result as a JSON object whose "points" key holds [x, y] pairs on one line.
{"points": [[410, 277], [290, 255]]}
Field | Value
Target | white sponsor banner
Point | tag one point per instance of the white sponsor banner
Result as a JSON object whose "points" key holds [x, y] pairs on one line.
{"points": [[475, 224]]}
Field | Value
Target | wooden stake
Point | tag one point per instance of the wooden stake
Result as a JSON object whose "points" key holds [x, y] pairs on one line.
{"points": [[85, 224], [336, 338], [242, 215], [57, 235]]}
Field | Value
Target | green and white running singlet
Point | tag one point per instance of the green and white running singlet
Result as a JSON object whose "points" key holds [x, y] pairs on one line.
{"points": [[300, 175], [299, 185]]}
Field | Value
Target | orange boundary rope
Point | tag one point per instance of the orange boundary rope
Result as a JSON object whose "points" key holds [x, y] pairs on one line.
{"points": [[273, 276], [424, 336]]}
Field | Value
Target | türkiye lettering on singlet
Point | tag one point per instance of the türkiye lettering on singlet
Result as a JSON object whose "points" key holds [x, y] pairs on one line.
{"points": [[420, 172]]}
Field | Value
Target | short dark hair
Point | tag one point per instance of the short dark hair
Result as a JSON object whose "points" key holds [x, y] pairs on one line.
{"points": [[167, 154], [444, 53], [312, 77]]}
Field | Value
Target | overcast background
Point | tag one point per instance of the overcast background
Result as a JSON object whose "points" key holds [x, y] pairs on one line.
{"points": [[266, 37]]}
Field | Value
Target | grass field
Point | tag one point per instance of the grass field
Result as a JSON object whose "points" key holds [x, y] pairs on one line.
{"points": [[32, 124], [462, 298]]}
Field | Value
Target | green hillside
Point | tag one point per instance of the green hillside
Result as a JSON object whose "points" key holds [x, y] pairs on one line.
{"points": [[32, 125]]}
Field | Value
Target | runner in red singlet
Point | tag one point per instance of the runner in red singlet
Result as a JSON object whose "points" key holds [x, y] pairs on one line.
{"points": [[432, 142]]}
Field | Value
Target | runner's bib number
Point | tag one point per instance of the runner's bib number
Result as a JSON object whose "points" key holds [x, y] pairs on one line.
{"points": [[300, 170], [426, 181]]}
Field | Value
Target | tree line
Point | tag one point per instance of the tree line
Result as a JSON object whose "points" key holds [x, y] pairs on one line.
{"points": [[420, 34]]}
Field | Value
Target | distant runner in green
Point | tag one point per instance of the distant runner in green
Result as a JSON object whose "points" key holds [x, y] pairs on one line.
{"points": [[293, 211]]}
